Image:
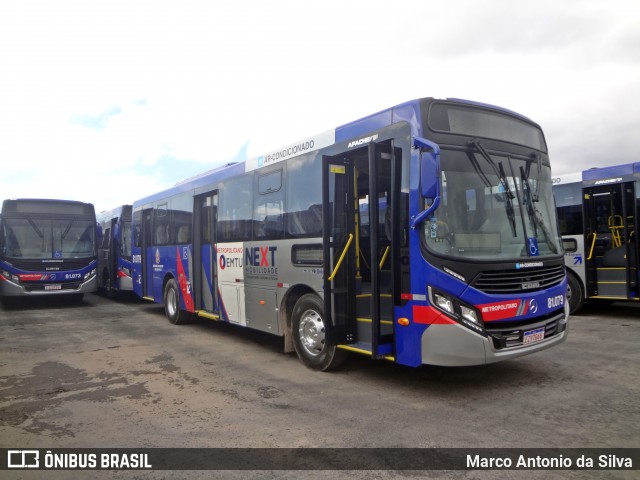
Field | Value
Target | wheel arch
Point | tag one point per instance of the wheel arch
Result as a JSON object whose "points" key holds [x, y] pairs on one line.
{"points": [[285, 312]]}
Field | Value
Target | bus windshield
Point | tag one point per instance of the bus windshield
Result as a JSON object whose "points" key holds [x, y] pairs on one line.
{"points": [[40, 238], [494, 206]]}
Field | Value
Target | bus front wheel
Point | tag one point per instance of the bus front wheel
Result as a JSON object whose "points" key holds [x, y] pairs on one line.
{"points": [[172, 309], [575, 294], [310, 335]]}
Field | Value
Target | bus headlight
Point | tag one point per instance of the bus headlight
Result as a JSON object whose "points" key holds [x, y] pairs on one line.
{"points": [[443, 303], [10, 276], [463, 314], [91, 274], [469, 314]]}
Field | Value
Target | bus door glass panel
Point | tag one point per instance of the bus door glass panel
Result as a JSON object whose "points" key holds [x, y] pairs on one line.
{"points": [[147, 255], [234, 228], [113, 250], [205, 252], [605, 223], [629, 235], [339, 208]]}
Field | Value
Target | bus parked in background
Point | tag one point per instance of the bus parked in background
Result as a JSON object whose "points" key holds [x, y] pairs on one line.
{"points": [[114, 252], [47, 247], [598, 212], [422, 234]]}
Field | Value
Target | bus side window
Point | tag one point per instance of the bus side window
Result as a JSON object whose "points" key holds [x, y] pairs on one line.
{"points": [[268, 206], [304, 198], [235, 213]]}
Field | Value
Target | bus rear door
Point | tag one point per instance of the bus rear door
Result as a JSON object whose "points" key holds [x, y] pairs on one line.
{"points": [[205, 258]]}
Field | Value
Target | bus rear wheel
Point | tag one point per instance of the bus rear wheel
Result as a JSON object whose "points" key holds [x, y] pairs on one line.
{"points": [[310, 335], [172, 309]]}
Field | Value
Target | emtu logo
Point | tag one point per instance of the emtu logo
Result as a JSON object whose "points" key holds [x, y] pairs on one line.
{"points": [[23, 459]]}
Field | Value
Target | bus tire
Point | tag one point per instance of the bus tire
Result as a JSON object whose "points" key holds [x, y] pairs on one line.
{"points": [[575, 293], [309, 334], [171, 300]]}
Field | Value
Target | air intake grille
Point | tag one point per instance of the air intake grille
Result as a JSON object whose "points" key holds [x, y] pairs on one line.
{"points": [[507, 336], [518, 281], [49, 265]]}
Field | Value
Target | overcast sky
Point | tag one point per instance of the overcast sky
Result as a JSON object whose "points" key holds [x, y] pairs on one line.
{"points": [[110, 101]]}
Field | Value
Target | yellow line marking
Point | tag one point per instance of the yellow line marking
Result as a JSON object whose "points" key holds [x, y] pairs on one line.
{"points": [[365, 352], [368, 320]]}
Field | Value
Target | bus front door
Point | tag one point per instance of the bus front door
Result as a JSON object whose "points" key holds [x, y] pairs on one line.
{"points": [[339, 240], [610, 242], [359, 188]]}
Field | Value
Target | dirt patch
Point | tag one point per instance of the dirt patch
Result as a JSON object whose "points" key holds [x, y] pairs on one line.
{"points": [[51, 385]]}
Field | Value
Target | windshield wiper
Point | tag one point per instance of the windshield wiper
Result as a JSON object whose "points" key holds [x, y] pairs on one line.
{"points": [[499, 171], [534, 215], [66, 231], [35, 227], [529, 198], [535, 196]]}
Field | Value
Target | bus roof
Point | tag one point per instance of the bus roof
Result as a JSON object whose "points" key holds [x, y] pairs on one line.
{"points": [[615, 173], [46, 206], [409, 111], [114, 213], [564, 178]]}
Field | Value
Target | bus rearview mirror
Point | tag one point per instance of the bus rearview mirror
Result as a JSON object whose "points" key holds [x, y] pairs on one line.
{"points": [[429, 174]]}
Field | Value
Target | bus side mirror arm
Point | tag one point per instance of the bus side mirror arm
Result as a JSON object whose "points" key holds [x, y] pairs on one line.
{"points": [[423, 215], [429, 177]]}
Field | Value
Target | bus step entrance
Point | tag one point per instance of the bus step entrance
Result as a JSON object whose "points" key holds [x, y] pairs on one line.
{"points": [[385, 350], [612, 282], [365, 330]]}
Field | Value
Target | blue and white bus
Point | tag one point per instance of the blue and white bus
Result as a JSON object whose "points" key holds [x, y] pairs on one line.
{"points": [[422, 234], [47, 247], [114, 252], [598, 212]]}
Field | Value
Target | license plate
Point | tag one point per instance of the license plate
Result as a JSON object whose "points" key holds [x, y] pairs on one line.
{"points": [[55, 286], [533, 336]]}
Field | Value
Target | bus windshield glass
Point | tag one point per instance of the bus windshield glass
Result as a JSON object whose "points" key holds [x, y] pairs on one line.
{"points": [[40, 238], [494, 206]]}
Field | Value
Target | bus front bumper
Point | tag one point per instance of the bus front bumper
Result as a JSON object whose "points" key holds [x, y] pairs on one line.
{"points": [[11, 289], [456, 346]]}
